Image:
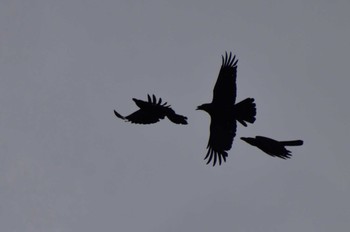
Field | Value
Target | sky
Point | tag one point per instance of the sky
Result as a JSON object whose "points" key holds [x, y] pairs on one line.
{"points": [[68, 164]]}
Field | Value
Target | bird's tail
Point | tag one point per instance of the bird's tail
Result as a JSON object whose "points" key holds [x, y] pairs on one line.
{"points": [[178, 119], [118, 115], [292, 143], [245, 111]]}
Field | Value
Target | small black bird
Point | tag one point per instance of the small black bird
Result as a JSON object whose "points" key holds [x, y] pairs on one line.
{"points": [[151, 112], [224, 111], [273, 147]]}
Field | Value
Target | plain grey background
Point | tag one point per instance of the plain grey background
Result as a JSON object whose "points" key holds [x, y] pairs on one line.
{"points": [[68, 164]]}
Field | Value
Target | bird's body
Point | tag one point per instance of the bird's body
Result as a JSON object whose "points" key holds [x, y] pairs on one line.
{"points": [[273, 147], [151, 112], [224, 112]]}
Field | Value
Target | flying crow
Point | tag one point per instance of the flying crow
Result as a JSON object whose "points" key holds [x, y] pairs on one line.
{"points": [[224, 112], [273, 147], [152, 111]]}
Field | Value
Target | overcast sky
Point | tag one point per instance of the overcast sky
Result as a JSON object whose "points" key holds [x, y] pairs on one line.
{"points": [[68, 164]]}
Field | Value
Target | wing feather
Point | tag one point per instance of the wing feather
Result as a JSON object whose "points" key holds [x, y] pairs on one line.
{"points": [[222, 133], [152, 111], [225, 88]]}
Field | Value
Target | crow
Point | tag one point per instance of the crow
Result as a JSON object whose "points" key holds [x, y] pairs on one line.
{"points": [[151, 112], [273, 147], [224, 112]]}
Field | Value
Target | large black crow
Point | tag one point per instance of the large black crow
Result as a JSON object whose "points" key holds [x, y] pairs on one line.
{"points": [[151, 112], [224, 112], [273, 147]]}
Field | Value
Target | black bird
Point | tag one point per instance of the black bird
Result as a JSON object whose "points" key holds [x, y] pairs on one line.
{"points": [[151, 112], [273, 147], [224, 112]]}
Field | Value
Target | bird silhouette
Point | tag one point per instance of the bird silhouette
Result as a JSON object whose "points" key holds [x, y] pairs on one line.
{"points": [[152, 111], [224, 112], [273, 147]]}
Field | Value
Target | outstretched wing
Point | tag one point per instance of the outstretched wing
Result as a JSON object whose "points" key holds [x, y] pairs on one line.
{"points": [[225, 88], [222, 133], [165, 110], [272, 147], [152, 111], [148, 113]]}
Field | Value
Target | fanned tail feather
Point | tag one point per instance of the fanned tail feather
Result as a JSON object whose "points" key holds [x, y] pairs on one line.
{"points": [[245, 111]]}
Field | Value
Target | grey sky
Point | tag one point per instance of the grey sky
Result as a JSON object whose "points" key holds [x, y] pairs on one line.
{"points": [[68, 164]]}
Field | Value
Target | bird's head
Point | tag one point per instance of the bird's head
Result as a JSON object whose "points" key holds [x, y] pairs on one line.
{"points": [[251, 141], [204, 107]]}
